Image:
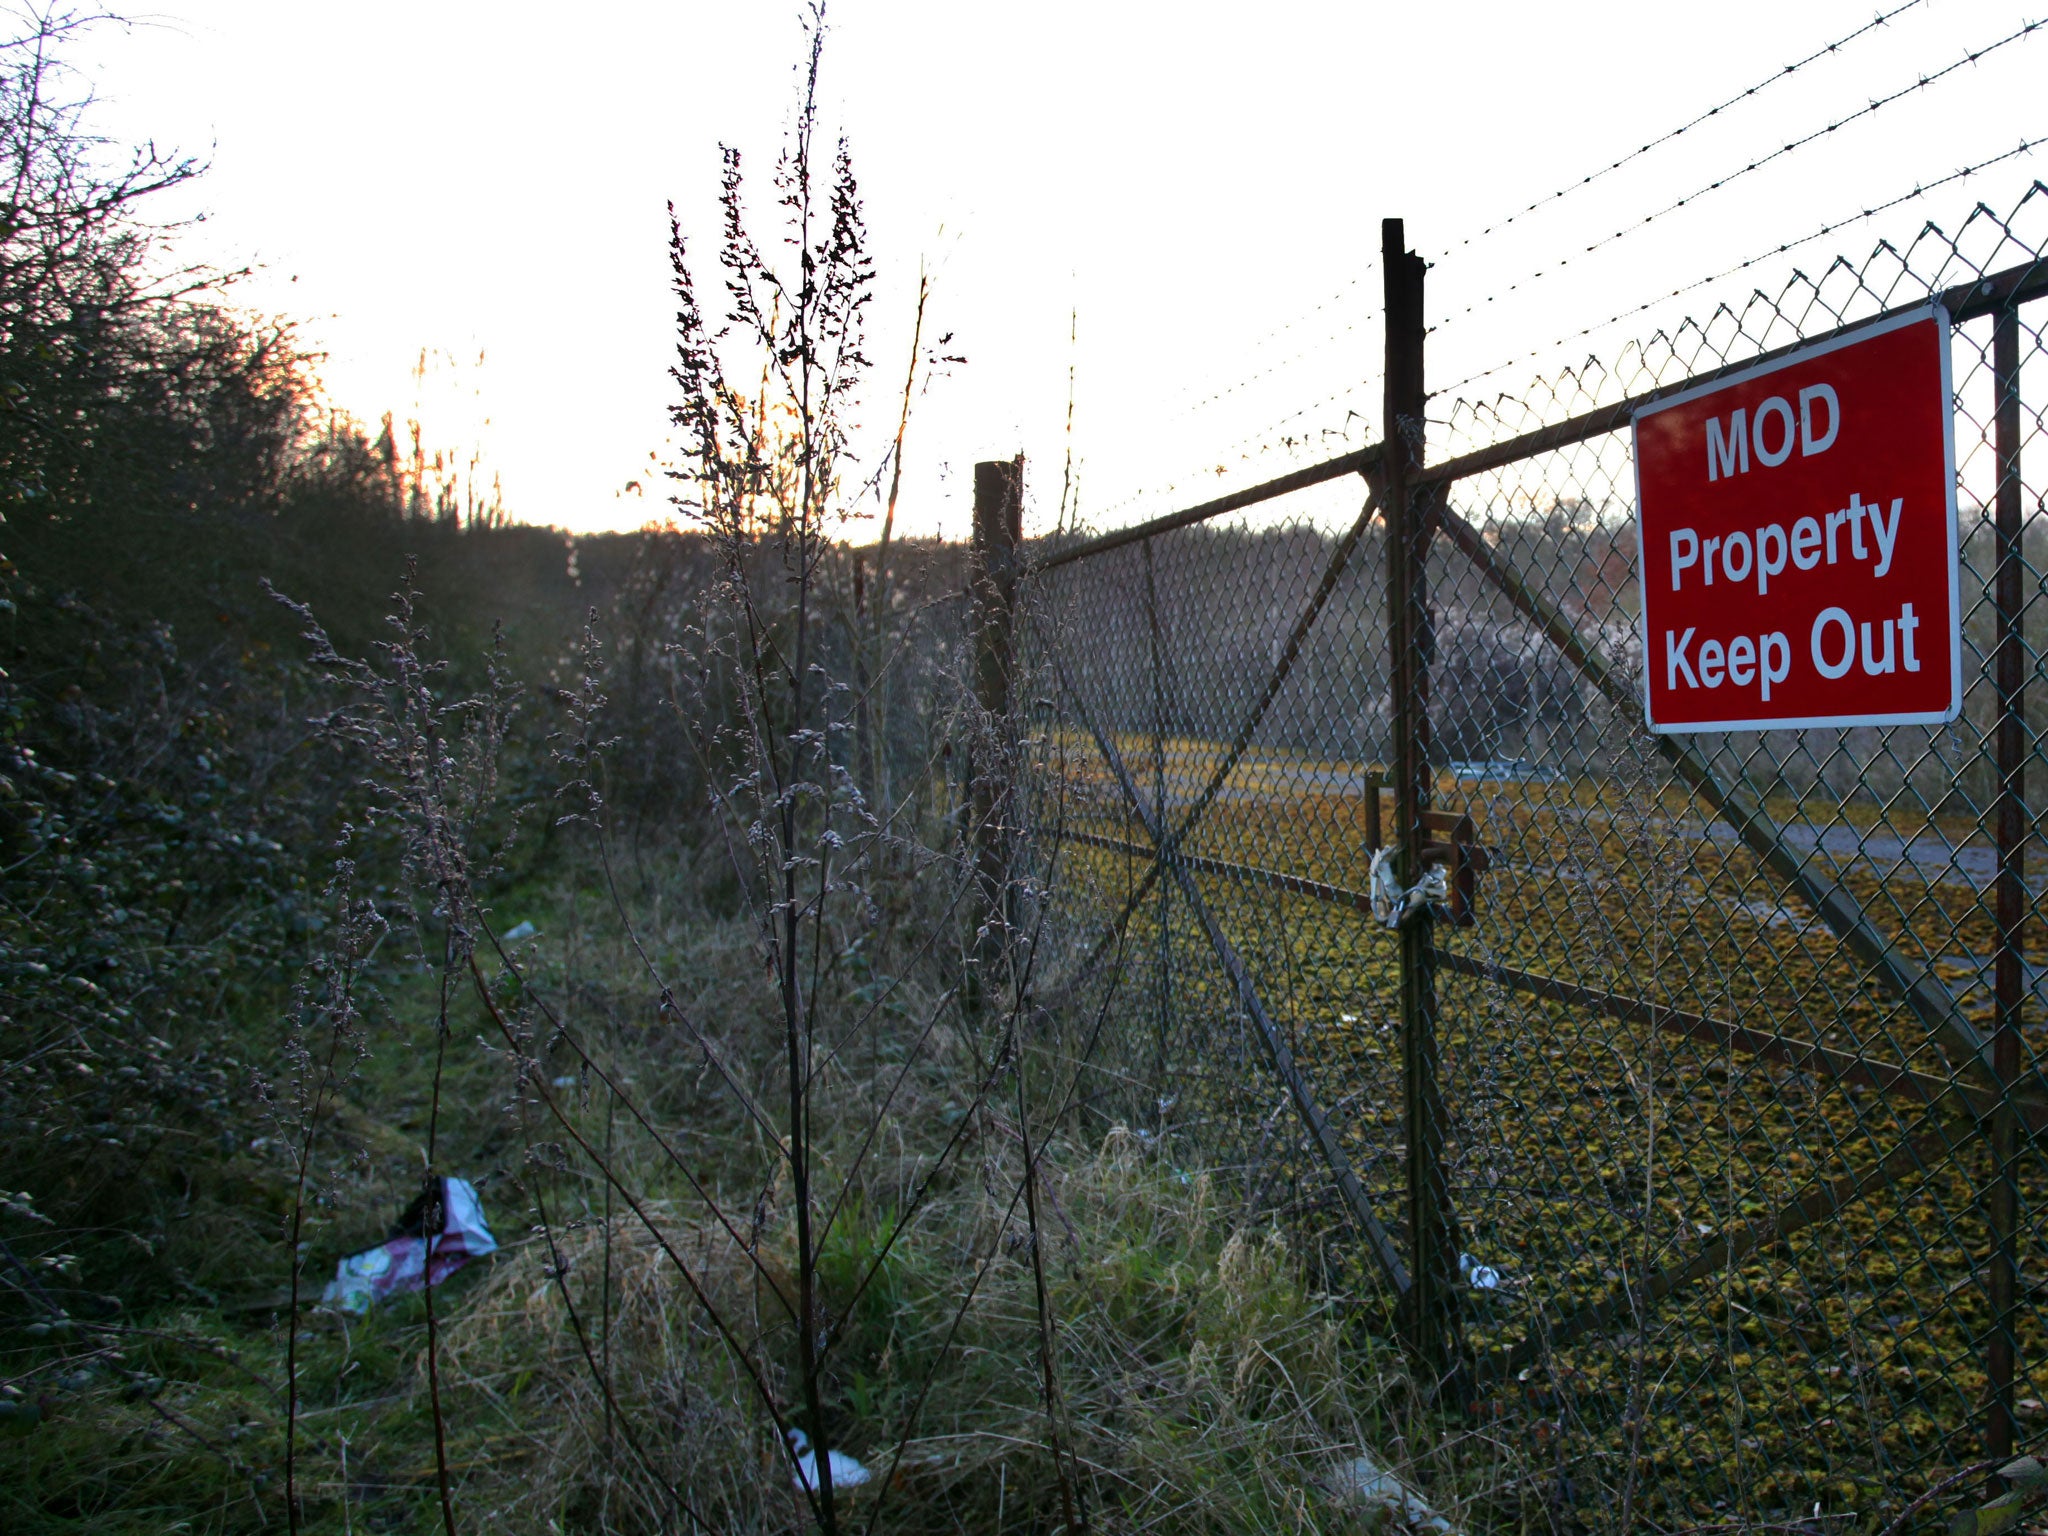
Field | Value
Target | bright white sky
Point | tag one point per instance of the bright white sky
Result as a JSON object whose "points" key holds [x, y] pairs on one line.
{"points": [[1192, 178]]}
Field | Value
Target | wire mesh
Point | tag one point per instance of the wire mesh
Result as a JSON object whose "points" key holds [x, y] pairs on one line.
{"points": [[1167, 682], [1746, 1190]]}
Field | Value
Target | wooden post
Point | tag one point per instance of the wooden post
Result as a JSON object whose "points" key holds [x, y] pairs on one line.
{"points": [[994, 569], [1430, 1321]]}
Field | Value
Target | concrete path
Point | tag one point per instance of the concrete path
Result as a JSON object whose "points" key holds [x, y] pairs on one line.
{"points": [[1927, 857]]}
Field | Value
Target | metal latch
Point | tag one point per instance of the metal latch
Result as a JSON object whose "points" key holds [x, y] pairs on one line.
{"points": [[1453, 845], [1451, 858]]}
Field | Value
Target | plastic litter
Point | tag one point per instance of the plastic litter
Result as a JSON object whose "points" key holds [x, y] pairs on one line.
{"points": [[1362, 1480], [415, 1257], [1481, 1277], [1391, 905], [519, 933], [846, 1472]]}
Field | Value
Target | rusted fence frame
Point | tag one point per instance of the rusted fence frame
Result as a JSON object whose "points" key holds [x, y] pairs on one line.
{"points": [[1995, 1063], [1973, 300], [1240, 743], [1278, 1055], [2006, 289], [1431, 1320], [1922, 1088], [1802, 1055], [1248, 874], [2009, 986], [1930, 1142], [1358, 461], [1834, 904], [1968, 301]]}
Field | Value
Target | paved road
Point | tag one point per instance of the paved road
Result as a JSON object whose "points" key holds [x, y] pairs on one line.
{"points": [[1928, 857]]}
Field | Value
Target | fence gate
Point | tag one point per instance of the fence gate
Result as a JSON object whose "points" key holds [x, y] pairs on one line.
{"points": [[1689, 1127]]}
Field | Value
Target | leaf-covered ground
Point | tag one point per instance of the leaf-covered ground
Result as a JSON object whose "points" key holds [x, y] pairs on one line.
{"points": [[1839, 1368]]}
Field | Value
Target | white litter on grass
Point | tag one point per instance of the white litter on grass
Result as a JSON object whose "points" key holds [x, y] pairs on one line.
{"points": [[410, 1262], [518, 933], [846, 1472], [1362, 1480], [1482, 1277]]}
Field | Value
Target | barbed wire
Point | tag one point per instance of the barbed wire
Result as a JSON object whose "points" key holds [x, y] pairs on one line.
{"points": [[1920, 189], [1879, 20], [1232, 449], [1874, 106], [1269, 443], [1274, 334], [1226, 452], [1264, 436], [1662, 139], [1270, 369]]}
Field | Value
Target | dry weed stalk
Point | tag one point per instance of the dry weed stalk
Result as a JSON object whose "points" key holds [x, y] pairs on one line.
{"points": [[327, 1007]]}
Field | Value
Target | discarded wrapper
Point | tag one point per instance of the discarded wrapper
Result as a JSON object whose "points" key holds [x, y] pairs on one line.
{"points": [[1483, 1277], [1362, 1480], [416, 1257], [846, 1472]]}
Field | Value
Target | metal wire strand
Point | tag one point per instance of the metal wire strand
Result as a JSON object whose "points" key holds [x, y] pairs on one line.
{"points": [[1775, 78], [1920, 83]]}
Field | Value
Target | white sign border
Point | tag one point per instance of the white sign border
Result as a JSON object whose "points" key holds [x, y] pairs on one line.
{"points": [[1939, 314]]}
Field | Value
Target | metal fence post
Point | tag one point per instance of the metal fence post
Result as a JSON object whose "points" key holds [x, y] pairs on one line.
{"points": [[994, 569], [1164, 1001], [1430, 1322], [2009, 984]]}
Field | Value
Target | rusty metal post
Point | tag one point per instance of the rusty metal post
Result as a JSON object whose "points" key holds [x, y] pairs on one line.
{"points": [[2009, 984], [994, 567], [1163, 1003], [1430, 1322]]}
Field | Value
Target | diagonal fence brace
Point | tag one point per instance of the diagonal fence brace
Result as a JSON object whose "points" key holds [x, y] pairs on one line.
{"points": [[1241, 742], [1836, 906], [1282, 1059], [1811, 1056], [1930, 1145], [1891, 1078]]}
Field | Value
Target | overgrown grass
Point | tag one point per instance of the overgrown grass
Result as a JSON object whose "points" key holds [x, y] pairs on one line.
{"points": [[1208, 1383], [1206, 1386]]}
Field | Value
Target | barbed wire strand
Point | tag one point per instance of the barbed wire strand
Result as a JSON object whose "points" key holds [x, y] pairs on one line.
{"points": [[1275, 334], [1879, 20], [1251, 379], [1920, 84], [1920, 189], [1263, 436], [1662, 139]]}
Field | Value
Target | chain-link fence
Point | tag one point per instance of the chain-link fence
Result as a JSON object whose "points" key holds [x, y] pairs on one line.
{"points": [[1690, 1133]]}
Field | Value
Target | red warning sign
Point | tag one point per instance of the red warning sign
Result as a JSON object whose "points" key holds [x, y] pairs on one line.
{"points": [[1797, 529]]}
